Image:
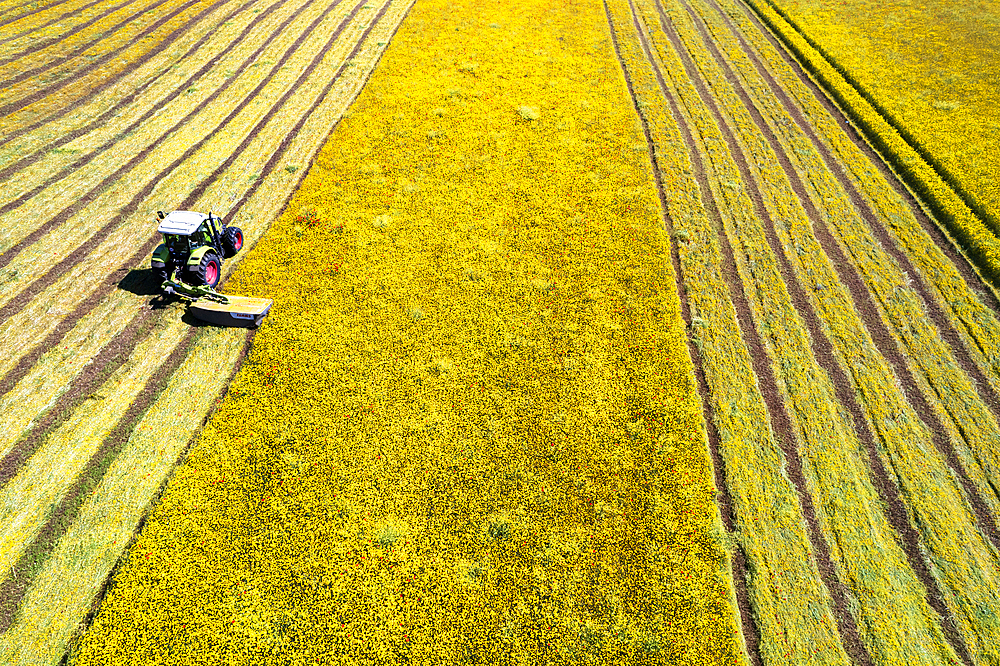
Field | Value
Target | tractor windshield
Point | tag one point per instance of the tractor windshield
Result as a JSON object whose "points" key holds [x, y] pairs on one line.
{"points": [[178, 245]]}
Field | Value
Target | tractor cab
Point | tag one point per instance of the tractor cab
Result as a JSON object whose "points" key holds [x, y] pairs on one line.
{"points": [[194, 245]]}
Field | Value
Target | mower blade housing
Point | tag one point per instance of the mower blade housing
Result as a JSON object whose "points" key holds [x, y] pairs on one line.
{"points": [[240, 311]]}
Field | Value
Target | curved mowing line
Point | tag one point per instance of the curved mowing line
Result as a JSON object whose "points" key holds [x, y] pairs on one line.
{"points": [[55, 39], [961, 262], [108, 34], [53, 21], [10, 464], [167, 41], [45, 92], [12, 590], [17, 303], [864, 304], [866, 308], [31, 159], [751, 632], [34, 10], [780, 419]]}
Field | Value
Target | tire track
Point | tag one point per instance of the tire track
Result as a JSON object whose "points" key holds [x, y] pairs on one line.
{"points": [[36, 47], [110, 144], [107, 35], [751, 632]]}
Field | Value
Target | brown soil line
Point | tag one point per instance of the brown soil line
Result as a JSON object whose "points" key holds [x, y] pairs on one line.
{"points": [[868, 312], [972, 279], [62, 16], [751, 632], [75, 104], [14, 587], [29, 73], [109, 582], [110, 358], [8, 171], [780, 419], [34, 10], [37, 46], [934, 310], [32, 440], [21, 300]]}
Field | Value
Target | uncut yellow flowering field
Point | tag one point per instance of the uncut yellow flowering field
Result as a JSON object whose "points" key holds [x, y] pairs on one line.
{"points": [[469, 429], [599, 336]]}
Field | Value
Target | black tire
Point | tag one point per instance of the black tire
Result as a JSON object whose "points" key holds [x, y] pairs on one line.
{"points": [[163, 271], [207, 272], [232, 241]]}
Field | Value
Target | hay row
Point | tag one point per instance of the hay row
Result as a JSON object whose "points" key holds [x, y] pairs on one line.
{"points": [[972, 426]]}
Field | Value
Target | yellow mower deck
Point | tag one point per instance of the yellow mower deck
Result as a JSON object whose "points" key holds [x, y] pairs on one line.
{"points": [[236, 311], [220, 309]]}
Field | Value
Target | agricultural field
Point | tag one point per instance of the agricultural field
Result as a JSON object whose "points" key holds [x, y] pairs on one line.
{"points": [[600, 335], [937, 87]]}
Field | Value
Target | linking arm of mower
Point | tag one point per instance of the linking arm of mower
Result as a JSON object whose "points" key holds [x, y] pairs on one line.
{"points": [[190, 293]]}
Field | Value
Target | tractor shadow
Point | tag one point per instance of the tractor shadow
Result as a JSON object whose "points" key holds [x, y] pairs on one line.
{"points": [[145, 282], [141, 282]]}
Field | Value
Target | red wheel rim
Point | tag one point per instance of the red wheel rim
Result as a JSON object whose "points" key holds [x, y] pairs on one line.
{"points": [[239, 241], [211, 273]]}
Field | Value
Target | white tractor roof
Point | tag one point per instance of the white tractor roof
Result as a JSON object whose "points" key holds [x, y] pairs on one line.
{"points": [[181, 222]]}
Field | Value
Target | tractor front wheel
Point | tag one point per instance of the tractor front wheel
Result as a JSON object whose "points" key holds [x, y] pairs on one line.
{"points": [[232, 241], [207, 272]]}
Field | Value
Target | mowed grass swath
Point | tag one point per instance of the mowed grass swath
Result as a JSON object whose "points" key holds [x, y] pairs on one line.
{"points": [[469, 426], [102, 394]]}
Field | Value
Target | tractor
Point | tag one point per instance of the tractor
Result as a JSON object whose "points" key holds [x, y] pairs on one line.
{"points": [[194, 245]]}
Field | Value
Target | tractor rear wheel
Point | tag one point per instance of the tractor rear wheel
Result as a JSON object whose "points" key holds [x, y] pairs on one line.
{"points": [[163, 271], [207, 272], [232, 241]]}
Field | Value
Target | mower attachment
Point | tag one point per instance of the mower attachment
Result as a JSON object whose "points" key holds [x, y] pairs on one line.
{"points": [[221, 309]]}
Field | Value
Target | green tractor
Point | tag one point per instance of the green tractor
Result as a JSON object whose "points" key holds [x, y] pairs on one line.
{"points": [[193, 247]]}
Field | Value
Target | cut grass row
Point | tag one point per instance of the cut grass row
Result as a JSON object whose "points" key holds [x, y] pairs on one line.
{"points": [[972, 425], [481, 436], [968, 573], [860, 539], [961, 223], [785, 586], [974, 320]]}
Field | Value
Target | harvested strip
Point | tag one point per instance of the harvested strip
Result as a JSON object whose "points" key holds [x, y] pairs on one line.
{"points": [[41, 38], [965, 563], [65, 7], [86, 224], [74, 573], [785, 615], [308, 137], [11, 11], [63, 456], [939, 267], [96, 74], [943, 388], [86, 179], [121, 79], [71, 55], [126, 113]]}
